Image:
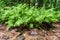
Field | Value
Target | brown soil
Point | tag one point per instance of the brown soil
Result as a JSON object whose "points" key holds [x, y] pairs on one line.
{"points": [[43, 35], [32, 34]]}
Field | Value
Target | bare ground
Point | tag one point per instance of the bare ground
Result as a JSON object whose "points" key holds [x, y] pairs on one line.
{"points": [[32, 34]]}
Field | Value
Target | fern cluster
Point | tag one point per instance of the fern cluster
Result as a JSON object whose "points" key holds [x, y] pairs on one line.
{"points": [[22, 14]]}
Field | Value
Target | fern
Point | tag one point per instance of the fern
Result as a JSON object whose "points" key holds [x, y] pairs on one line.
{"points": [[22, 14]]}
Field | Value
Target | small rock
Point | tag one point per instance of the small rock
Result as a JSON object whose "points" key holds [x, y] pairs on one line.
{"points": [[21, 37], [55, 31], [40, 37], [33, 33], [2, 27], [57, 34], [57, 24], [5, 37]]}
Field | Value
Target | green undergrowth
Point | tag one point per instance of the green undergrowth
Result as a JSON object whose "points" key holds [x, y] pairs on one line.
{"points": [[22, 14]]}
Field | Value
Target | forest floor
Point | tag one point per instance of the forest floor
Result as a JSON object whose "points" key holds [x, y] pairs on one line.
{"points": [[32, 34]]}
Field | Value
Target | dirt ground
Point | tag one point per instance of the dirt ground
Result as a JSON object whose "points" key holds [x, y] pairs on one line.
{"points": [[32, 34]]}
